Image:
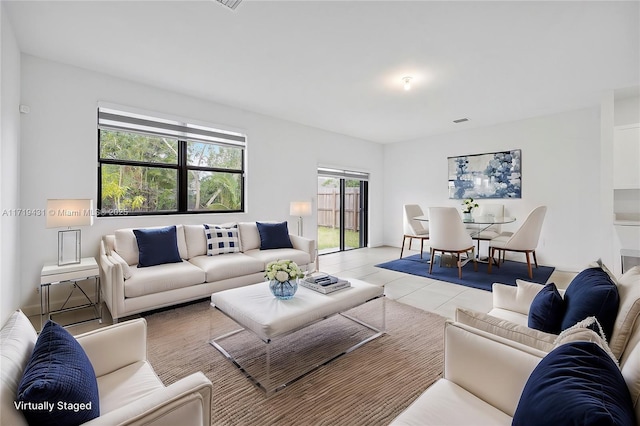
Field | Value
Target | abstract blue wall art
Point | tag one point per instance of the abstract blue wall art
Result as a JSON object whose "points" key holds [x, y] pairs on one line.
{"points": [[491, 175]]}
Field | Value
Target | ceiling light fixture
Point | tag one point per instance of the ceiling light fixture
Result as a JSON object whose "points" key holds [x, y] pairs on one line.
{"points": [[231, 4], [407, 82]]}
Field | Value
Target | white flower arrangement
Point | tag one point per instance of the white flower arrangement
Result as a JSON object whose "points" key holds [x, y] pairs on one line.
{"points": [[283, 270], [469, 205]]}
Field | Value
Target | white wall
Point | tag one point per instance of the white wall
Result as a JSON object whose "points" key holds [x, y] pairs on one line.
{"points": [[627, 110], [560, 169], [59, 145], [9, 169], [626, 202]]}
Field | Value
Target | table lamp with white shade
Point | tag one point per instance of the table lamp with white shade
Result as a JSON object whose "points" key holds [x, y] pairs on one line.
{"points": [[300, 209], [68, 213]]}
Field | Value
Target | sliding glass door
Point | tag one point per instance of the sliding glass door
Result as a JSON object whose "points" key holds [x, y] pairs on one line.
{"points": [[342, 210]]}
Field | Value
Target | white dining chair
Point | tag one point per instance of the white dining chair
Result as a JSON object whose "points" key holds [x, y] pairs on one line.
{"points": [[447, 234], [413, 229], [524, 240]]}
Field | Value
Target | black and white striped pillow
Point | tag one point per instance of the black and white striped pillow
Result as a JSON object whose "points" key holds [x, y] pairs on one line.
{"points": [[221, 240]]}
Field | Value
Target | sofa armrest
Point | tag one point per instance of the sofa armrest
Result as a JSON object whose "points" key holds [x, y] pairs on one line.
{"points": [[492, 368], [111, 283], [304, 244], [99, 345], [517, 299], [185, 402], [307, 245]]}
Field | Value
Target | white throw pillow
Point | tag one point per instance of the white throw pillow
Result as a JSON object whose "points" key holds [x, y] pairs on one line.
{"points": [[587, 330], [222, 240]]}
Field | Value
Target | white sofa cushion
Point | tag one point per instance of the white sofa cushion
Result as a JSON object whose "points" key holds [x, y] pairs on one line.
{"points": [[156, 279], [17, 340], [249, 236], [516, 299], [508, 315], [196, 241], [127, 246], [445, 403], [631, 373], [628, 311], [504, 328], [266, 256], [225, 266], [127, 384]]}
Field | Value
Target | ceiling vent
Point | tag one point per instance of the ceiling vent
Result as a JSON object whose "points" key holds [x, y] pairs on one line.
{"points": [[460, 120], [231, 4]]}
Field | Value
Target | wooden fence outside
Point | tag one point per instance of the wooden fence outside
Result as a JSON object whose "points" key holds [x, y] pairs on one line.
{"points": [[329, 208]]}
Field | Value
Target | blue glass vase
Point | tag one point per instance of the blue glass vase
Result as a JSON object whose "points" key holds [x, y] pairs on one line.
{"points": [[283, 290]]}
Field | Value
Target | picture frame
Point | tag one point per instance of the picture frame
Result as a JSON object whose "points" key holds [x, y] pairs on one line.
{"points": [[488, 175]]}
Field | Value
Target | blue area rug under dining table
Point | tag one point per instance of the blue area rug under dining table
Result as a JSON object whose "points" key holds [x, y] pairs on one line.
{"points": [[507, 273]]}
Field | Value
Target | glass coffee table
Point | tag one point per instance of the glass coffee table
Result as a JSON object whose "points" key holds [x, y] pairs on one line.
{"points": [[280, 341]]}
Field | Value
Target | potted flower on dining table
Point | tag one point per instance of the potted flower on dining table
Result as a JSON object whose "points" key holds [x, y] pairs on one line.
{"points": [[467, 207]]}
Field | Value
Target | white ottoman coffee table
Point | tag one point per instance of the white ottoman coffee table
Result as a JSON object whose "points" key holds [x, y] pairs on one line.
{"points": [[258, 311]]}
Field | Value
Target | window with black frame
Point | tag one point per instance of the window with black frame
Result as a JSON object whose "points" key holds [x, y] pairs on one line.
{"points": [[149, 165]]}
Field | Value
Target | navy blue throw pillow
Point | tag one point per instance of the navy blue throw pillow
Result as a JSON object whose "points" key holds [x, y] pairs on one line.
{"points": [[157, 246], [274, 235], [591, 293], [59, 385], [547, 310], [575, 384]]}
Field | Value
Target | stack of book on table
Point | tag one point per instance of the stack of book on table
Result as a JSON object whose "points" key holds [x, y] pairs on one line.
{"points": [[324, 283]]}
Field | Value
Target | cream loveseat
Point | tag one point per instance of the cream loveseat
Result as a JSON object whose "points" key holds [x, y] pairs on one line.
{"points": [[130, 392], [128, 290]]}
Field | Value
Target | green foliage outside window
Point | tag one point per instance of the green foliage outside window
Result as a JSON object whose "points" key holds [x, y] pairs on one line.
{"points": [[140, 174]]}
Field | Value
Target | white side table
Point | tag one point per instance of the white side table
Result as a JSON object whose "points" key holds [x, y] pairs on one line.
{"points": [[52, 274]]}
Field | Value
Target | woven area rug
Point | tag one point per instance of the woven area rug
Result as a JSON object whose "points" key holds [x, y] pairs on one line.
{"points": [[507, 273], [369, 386]]}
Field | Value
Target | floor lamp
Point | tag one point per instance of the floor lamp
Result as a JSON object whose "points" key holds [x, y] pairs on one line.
{"points": [[69, 213], [300, 209]]}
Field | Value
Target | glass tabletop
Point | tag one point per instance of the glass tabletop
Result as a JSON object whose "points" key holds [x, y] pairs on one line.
{"points": [[480, 220]]}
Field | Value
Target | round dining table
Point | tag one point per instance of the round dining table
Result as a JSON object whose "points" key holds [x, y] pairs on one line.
{"points": [[483, 222]]}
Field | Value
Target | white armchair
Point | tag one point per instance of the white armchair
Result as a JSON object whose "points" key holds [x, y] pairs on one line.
{"points": [[485, 375], [483, 378], [130, 391]]}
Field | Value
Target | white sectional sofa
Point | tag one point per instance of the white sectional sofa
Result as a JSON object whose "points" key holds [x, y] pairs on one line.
{"points": [[128, 290]]}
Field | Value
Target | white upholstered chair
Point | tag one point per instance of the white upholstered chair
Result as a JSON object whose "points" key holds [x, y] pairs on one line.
{"points": [[130, 392], [524, 240], [413, 228], [447, 234]]}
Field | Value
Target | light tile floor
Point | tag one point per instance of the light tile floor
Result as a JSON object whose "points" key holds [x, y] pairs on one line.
{"points": [[430, 295]]}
